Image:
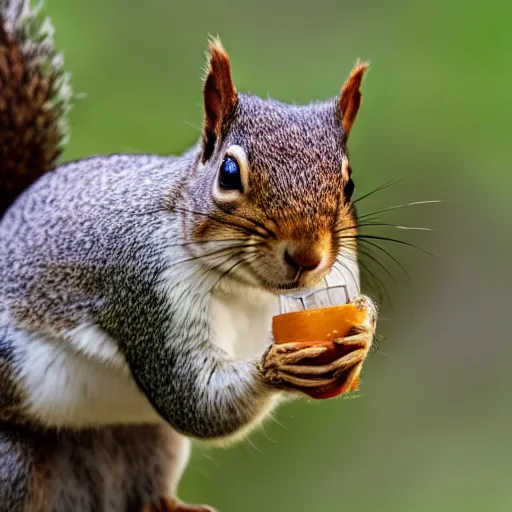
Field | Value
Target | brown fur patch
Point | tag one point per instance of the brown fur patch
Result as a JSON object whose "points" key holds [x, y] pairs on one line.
{"points": [[29, 133], [219, 93], [40, 483], [350, 97]]}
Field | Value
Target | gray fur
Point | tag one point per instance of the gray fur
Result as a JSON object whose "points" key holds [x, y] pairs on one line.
{"points": [[107, 242], [103, 263], [110, 469], [15, 469]]}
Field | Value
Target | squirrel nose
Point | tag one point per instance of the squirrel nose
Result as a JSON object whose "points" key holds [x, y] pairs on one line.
{"points": [[301, 259]]}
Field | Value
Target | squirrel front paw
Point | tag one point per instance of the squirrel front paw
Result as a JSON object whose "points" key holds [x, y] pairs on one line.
{"points": [[174, 505], [326, 369]]}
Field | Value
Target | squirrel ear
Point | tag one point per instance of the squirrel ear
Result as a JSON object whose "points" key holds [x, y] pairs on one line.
{"points": [[219, 94], [350, 97]]}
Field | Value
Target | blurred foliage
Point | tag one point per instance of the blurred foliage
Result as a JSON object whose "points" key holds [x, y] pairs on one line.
{"points": [[431, 429]]}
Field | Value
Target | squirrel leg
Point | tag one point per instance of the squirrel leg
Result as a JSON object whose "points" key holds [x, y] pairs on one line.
{"points": [[173, 505]]}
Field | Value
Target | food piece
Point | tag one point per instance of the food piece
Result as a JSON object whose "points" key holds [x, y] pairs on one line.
{"points": [[322, 326], [316, 325]]}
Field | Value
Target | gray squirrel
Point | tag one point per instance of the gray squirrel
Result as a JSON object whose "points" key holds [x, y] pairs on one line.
{"points": [[137, 291]]}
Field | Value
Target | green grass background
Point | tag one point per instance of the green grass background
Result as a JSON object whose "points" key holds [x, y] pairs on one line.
{"points": [[431, 430]]}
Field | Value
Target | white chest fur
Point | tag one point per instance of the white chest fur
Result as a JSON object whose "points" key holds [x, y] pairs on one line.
{"points": [[242, 321], [91, 386]]}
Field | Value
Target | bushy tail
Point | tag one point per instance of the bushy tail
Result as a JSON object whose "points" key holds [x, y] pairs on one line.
{"points": [[35, 98]]}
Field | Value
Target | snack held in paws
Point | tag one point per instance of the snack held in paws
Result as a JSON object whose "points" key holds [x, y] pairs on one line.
{"points": [[315, 318]]}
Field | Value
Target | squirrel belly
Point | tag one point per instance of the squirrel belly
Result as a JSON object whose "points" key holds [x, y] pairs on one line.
{"points": [[61, 387]]}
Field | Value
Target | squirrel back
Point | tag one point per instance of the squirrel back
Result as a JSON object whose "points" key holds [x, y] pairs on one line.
{"points": [[35, 98]]}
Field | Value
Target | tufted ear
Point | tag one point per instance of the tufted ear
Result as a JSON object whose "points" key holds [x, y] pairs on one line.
{"points": [[219, 94], [350, 96]]}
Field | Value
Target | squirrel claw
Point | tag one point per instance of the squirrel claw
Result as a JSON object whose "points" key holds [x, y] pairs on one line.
{"points": [[339, 365], [173, 505], [299, 382], [291, 353], [356, 341]]}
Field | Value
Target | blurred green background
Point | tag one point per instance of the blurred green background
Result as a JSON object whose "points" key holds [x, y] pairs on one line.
{"points": [[431, 429]]}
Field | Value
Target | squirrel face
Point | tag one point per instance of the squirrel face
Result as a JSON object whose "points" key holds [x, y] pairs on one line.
{"points": [[272, 193]]}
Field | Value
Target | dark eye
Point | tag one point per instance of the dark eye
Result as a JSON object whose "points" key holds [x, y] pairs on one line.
{"points": [[229, 176], [349, 188]]}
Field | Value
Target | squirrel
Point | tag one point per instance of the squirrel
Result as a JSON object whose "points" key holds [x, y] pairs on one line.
{"points": [[137, 291]]}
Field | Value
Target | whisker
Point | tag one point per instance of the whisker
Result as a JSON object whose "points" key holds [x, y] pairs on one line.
{"points": [[388, 239], [218, 251], [201, 242], [382, 224], [376, 260], [406, 228], [385, 251], [378, 189], [223, 221], [396, 226], [251, 229], [349, 270], [245, 229], [399, 206], [376, 282], [152, 211], [230, 269], [209, 269], [255, 223]]}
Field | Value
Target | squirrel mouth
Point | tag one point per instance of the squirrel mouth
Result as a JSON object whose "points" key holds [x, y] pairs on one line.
{"points": [[300, 282], [294, 285], [279, 288]]}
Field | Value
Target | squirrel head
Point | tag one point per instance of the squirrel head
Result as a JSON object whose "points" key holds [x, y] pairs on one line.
{"points": [[271, 195]]}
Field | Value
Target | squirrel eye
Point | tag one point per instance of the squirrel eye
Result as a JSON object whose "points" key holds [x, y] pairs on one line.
{"points": [[229, 176], [349, 185], [349, 188]]}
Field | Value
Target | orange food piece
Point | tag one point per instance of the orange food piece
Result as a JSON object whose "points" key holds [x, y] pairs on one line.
{"points": [[316, 325], [321, 326]]}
